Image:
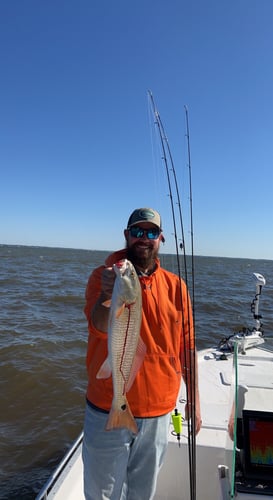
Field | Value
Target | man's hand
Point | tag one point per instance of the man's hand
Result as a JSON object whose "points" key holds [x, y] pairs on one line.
{"points": [[107, 282], [198, 421], [100, 311]]}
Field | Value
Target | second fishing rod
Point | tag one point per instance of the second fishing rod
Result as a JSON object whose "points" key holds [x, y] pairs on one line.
{"points": [[190, 372]]}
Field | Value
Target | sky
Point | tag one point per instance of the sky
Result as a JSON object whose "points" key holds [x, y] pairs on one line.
{"points": [[79, 149]]}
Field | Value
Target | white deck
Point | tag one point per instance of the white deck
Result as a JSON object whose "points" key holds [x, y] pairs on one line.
{"points": [[214, 447]]}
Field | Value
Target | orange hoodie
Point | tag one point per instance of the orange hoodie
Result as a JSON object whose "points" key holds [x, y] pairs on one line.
{"points": [[166, 332]]}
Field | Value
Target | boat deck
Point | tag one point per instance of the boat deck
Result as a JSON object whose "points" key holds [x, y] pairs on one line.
{"points": [[214, 446]]}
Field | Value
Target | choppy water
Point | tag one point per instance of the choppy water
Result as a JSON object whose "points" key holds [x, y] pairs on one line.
{"points": [[43, 344]]}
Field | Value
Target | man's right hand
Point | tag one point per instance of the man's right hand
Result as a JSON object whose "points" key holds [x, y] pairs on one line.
{"points": [[100, 311], [107, 282]]}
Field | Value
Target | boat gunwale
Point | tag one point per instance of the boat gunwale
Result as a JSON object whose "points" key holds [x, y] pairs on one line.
{"points": [[55, 476]]}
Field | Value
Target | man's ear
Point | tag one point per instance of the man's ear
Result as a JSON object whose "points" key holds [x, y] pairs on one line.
{"points": [[162, 238]]}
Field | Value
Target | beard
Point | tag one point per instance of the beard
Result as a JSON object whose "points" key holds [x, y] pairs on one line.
{"points": [[144, 259]]}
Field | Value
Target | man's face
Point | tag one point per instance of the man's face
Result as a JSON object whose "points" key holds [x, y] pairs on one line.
{"points": [[142, 250]]}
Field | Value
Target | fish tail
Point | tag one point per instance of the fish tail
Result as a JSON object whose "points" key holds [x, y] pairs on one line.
{"points": [[121, 418]]}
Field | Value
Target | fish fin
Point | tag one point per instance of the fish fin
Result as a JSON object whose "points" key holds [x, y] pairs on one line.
{"points": [[107, 303], [120, 310], [137, 362], [121, 419], [105, 370]]}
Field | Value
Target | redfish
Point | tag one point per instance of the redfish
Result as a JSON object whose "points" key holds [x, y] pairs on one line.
{"points": [[126, 349]]}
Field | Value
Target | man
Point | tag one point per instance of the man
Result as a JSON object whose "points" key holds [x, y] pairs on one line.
{"points": [[119, 464]]}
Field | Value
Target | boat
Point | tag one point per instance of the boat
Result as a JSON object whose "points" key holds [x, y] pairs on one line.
{"points": [[236, 384]]}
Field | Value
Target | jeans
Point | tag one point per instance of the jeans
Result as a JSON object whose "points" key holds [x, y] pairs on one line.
{"points": [[118, 464]]}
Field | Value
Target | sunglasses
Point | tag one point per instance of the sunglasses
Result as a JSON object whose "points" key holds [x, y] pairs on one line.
{"points": [[138, 232]]}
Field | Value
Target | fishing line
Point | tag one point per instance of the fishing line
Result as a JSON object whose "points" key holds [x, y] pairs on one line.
{"points": [[154, 156], [165, 150], [159, 186], [189, 360]]}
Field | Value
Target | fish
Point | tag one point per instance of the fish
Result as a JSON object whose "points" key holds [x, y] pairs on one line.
{"points": [[126, 349]]}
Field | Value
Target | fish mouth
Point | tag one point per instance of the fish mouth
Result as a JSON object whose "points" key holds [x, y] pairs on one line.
{"points": [[120, 264]]}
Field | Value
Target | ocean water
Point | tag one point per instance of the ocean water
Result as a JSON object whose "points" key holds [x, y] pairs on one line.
{"points": [[43, 345]]}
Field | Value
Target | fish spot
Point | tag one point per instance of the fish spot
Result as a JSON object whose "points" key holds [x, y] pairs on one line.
{"points": [[123, 407]]}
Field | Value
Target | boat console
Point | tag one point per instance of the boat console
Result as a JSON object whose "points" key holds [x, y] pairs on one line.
{"points": [[255, 470]]}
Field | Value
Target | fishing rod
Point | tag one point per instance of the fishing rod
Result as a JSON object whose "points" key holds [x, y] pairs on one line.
{"points": [[190, 388], [192, 416], [165, 150], [191, 203]]}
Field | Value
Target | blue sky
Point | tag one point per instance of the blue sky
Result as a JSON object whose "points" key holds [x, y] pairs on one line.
{"points": [[78, 149]]}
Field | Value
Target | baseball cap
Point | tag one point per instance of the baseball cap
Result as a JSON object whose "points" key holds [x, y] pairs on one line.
{"points": [[144, 215]]}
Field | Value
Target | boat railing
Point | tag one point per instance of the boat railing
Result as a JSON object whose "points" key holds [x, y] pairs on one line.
{"points": [[43, 494]]}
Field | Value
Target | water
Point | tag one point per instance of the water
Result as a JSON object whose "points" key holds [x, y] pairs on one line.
{"points": [[43, 345]]}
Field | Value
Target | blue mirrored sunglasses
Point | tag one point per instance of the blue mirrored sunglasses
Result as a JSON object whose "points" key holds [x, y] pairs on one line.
{"points": [[138, 232]]}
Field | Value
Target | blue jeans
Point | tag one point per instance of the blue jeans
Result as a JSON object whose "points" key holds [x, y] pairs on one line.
{"points": [[119, 465]]}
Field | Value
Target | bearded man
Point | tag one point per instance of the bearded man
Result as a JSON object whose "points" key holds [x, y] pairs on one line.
{"points": [[120, 464]]}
